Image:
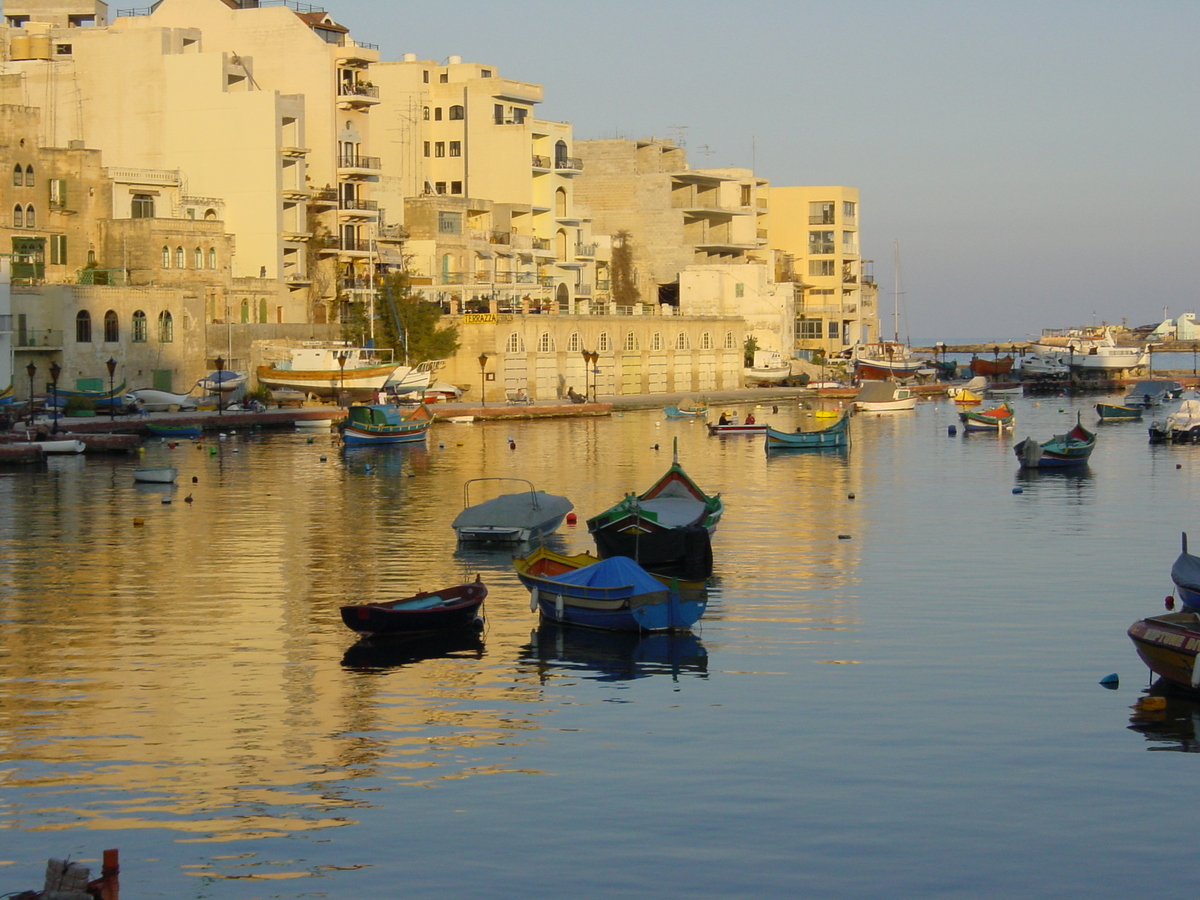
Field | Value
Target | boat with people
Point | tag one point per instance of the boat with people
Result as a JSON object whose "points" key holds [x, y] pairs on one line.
{"points": [[512, 518], [1180, 427], [450, 608], [383, 423], [1115, 412], [831, 437], [996, 418], [1073, 448], [327, 368], [667, 528], [728, 424], [884, 396], [614, 593]]}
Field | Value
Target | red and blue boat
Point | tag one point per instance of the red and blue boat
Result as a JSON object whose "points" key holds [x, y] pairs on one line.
{"points": [[383, 423], [1063, 450], [997, 418]]}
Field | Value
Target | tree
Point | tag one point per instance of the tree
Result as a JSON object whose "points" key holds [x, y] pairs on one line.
{"points": [[748, 350], [409, 324], [624, 288]]}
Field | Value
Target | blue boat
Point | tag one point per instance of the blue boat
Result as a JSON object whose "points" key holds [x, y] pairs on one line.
{"points": [[615, 594], [1112, 412], [834, 436], [175, 432], [383, 423], [1071, 449], [1185, 572]]}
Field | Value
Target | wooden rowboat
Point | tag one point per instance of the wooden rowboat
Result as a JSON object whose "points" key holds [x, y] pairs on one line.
{"points": [[448, 608], [835, 435]]}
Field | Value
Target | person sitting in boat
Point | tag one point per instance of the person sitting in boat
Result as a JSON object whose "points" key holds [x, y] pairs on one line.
{"points": [[724, 420], [749, 418]]}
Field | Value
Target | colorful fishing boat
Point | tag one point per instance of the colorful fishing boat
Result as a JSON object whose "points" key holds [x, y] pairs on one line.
{"points": [[1185, 573], [614, 593], [835, 435], [382, 423], [687, 409], [60, 396], [450, 608], [997, 418], [1113, 412], [1071, 449], [174, 432], [666, 529], [990, 367], [1168, 645], [6, 396]]}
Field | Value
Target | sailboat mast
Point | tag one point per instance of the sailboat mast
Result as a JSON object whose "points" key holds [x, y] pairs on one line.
{"points": [[896, 295]]}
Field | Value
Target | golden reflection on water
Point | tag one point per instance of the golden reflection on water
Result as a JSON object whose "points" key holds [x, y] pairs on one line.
{"points": [[192, 674]]}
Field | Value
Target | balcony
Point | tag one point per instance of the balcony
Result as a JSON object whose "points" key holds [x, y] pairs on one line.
{"points": [[585, 250], [357, 95], [353, 208], [359, 166], [826, 219], [583, 290], [547, 280], [294, 194], [525, 278], [542, 162], [542, 244], [294, 152], [296, 280], [350, 52], [351, 284], [323, 197], [393, 233], [38, 339], [568, 164]]}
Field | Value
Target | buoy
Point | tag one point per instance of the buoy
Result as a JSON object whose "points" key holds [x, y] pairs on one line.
{"points": [[849, 496], [441, 446], [166, 500], [1178, 466], [1018, 490], [843, 537], [512, 445], [1169, 602], [212, 451], [571, 520], [310, 440], [774, 409], [322, 459], [1110, 681], [141, 449], [459, 444], [368, 467], [199, 446], [187, 499], [655, 447], [138, 523]]}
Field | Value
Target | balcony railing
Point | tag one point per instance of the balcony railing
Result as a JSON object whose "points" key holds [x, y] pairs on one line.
{"points": [[357, 89], [602, 284], [821, 220], [41, 337], [816, 249], [323, 195], [526, 278], [349, 42], [572, 163], [354, 203], [583, 290], [546, 280], [541, 162], [450, 278], [585, 249], [541, 243], [359, 162]]}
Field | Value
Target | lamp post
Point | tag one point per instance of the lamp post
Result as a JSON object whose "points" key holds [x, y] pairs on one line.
{"points": [[112, 401], [483, 358], [341, 378], [32, 370], [1193, 366], [220, 361], [591, 357], [55, 371]]}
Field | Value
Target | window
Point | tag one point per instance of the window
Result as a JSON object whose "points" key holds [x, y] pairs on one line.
{"points": [[449, 223], [425, 114], [456, 187], [58, 193], [58, 249], [602, 343], [457, 112], [179, 259], [850, 242], [83, 327], [139, 327], [440, 187], [456, 148], [245, 311], [198, 258], [820, 267], [545, 343], [729, 340], [745, 195], [485, 73], [834, 332], [18, 176], [262, 311], [821, 212], [212, 257], [513, 345], [91, 258], [142, 206], [739, 290], [631, 341], [444, 78], [427, 148], [437, 114], [439, 149], [29, 176], [820, 242], [425, 77], [809, 329], [166, 327], [574, 344], [706, 342], [18, 216], [848, 211], [62, 49], [30, 219], [681, 341], [656, 341], [112, 330], [497, 114]]}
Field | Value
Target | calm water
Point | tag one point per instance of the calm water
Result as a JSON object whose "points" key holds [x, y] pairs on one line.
{"points": [[909, 712]]}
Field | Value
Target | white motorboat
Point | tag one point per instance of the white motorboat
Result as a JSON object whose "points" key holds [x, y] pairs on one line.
{"points": [[1042, 365], [884, 396], [407, 379], [1096, 351], [156, 474], [769, 366], [160, 401], [1180, 427], [68, 446], [512, 518], [328, 368]]}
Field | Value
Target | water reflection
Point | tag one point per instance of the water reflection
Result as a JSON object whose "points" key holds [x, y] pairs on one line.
{"points": [[612, 655], [381, 653], [1168, 718]]}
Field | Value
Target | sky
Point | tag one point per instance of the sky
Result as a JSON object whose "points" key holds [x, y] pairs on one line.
{"points": [[1032, 165]]}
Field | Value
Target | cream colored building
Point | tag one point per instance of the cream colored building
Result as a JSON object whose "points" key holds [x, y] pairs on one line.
{"points": [[816, 232]]}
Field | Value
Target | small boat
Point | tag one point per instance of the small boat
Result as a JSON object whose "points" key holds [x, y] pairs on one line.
{"points": [[156, 474], [328, 369], [1180, 427], [60, 396], [769, 367], [991, 367], [997, 418], [174, 432], [1154, 392], [513, 518], [1043, 365], [222, 381], [443, 391], [6, 396], [687, 409], [887, 359], [614, 593], [969, 393], [884, 396], [748, 427], [1112, 412], [314, 423], [65, 446], [613, 655], [452, 607], [160, 401], [835, 435], [1006, 389], [1168, 644], [1070, 449], [382, 423], [667, 528], [1185, 573]]}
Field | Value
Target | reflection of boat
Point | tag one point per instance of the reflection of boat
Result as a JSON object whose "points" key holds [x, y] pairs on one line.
{"points": [[223, 381], [884, 396], [995, 419], [514, 518], [325, 369], [1168, 645], [614, 655], [615, 593], [1168, 717], [156, 474], [384, 424], [1070, 449], [449, 608], [1112, 412], [176, 432], [391, 651], [666, 528], [1185, 573], [1180, 427], [836, 435]]}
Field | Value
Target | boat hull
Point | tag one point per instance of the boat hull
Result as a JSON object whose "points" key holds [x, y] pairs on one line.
{"points": [[180, 432], [753, 428], [327, 382], [992, 367], [675, 412], [1062, 451], [997, 419], [1168, 645], [836, 435], [1112, 412], [159, 475], [452, 608]]}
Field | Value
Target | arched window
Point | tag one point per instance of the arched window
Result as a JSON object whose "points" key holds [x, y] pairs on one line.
{"points": [[560, 152], [179, 258], [18, 216], [166, 328], [560, 203], [112, 329], [513, 344], [18, 176], [166, 257], [706, 341], [574, 344], [545, 343], [681, 341], [262, 311], [198, 258], [29, 176], [83, 327], [245, 311], [212, 257], [210, 215], [560, 246], [602, 345], [425, 114], [139, 327], [656, 341], [631, 341], [729, 340], [457, 112], [30, 218]]}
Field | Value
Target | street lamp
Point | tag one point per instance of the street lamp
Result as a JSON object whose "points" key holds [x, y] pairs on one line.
{"points": [[55, 371], [341, 378], [32, 370], [220, 361], [112, 401], [591, 357], [483, 358]]}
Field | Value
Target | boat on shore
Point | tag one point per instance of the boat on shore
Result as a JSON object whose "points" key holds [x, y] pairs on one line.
{"points": [[991, 367], [1071, 449], [769, 367], [512, 518], [833, 436], [884, 396], [328, 368], [1043, 366], [449, 608], [222, 381], [887, 359], [1093, 351], [382, 423], [151, 400]]}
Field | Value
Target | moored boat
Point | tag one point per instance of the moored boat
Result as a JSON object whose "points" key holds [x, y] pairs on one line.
{"points": [[614, 593], [1113, 412], [382, 423], [1185, 574], [1071, 449], [156, 474], [1180, 427], [513, 518], [1153, 392], [174, 432], [1168, 644], [449, 608], [991, 367], [996, 418], [687, 409], [835, 435], [884, 396]]}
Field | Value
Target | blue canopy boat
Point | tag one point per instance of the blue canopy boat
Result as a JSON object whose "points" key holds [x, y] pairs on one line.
{"points": [[1070, 449], [614, 594], [382, 423], [687, 409], [835, 435]]}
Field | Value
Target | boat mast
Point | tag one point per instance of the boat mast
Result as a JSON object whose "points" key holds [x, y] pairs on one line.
{"points": [[896, 294]]}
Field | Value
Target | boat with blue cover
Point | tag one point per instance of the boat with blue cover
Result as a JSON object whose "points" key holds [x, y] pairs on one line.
{"points": [[614, 594], [383, 423], [1185, 573]]}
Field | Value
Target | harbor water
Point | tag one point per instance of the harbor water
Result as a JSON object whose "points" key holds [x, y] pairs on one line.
{"points": [[894, 692]]}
